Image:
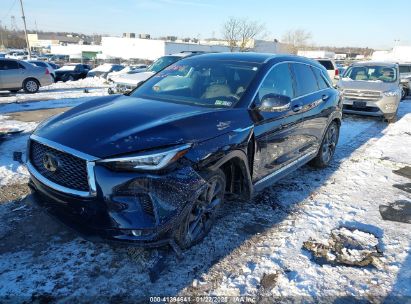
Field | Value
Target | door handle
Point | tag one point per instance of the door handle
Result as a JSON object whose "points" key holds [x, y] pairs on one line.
{"points": [[297, 108], [325, 97]]}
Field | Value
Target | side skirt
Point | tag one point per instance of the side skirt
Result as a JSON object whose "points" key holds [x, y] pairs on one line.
{"points": [[283, 171]]}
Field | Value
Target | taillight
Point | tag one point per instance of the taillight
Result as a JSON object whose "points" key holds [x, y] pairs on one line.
{"points": [[47, 72], [337, 72]]}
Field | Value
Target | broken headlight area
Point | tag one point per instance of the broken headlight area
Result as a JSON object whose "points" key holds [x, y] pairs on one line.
{"points": [[148, 161]]}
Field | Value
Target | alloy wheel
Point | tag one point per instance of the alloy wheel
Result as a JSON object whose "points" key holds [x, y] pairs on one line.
{"points": [[329, 144], [31, 86], [203, 211]]}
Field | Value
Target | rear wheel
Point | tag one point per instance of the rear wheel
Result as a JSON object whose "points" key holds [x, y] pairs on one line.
{"points": [[201, 214], [328, 145], [31, 86]]}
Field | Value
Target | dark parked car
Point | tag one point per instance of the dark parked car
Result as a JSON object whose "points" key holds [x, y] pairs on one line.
{"points": [[154, 166], [72, 72]]}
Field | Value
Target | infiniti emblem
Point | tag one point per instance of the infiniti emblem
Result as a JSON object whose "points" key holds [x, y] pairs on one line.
{"points": [[50, 162]]}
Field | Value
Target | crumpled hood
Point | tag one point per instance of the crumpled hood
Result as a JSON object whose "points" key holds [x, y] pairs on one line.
{"points": [[115, 125], [134, 79], [367, 85]]}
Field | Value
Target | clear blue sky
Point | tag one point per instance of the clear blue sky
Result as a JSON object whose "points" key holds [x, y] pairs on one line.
{"points": [[372, 23]]}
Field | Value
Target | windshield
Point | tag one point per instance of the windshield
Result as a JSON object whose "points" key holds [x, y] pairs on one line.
{"points": [[371, 73], [200, 82], [162, 62]]}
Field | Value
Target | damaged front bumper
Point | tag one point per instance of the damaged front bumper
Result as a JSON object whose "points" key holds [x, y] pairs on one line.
{"points": [[127, 206]]}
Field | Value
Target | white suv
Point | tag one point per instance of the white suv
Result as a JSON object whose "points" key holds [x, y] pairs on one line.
{"points": [[331, 67]]}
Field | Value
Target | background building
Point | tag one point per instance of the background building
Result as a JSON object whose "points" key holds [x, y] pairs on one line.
{"points": [[397, 54]]}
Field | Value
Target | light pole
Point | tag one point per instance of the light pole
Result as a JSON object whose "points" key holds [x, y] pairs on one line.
{"points": [[25, 28]]}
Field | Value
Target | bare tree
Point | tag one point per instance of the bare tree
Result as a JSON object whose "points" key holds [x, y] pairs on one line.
{"points": [[240, 32], [231, 32], [296, 39]]}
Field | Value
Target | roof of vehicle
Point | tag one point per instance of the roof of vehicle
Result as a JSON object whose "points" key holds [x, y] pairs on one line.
{"points": [[258, 57], [367, 63]]}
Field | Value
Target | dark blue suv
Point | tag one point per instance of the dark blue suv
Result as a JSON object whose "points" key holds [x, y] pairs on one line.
{"points": [[153, 167]]}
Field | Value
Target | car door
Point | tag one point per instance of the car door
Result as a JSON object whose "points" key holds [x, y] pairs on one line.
{"points": [[12, 74], [318, 109], [79, 72], [310, 97], [276, 133]]}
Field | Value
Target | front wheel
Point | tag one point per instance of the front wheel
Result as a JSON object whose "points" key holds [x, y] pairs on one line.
{"points": [[403, 93], [328, 145], [200, 217]]}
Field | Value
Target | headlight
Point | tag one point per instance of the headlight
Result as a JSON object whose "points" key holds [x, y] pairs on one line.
{"points": [[392, 93], [153, 161]]}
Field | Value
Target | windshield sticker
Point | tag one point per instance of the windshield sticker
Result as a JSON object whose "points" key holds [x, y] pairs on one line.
{"points": [[223, 103], [156, 88]]}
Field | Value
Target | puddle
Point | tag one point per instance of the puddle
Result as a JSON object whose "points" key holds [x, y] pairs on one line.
{"points": [[404, 187], [405, 171], [399, 211], [346, 246]]}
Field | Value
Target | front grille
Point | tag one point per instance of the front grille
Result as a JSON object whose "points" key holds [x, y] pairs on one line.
{"points": [[71, 170], [362, 95]]}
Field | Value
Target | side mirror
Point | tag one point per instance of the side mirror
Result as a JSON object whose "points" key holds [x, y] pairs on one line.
{"points": [[275, 103]]}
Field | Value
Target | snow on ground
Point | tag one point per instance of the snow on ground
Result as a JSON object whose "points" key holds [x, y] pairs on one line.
{"points": [[70, 89], [253, 245], [44, 104], [12, 172]]}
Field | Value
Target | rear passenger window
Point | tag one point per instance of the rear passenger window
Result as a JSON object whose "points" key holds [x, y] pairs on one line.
{"points": [[322, 84], [405, 69], [278, 81], [327, 64], [8, 65], [305, 80]]}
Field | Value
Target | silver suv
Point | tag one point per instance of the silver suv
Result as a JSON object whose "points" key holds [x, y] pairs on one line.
{"points": [[371, 88], [16, 75], [405, 78]]}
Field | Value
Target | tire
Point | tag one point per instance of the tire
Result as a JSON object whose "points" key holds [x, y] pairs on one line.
{"points": [[404, 93], [391, 118], [53, 77], [200, 214], [70, 78], [328, 145], [31, 86]]}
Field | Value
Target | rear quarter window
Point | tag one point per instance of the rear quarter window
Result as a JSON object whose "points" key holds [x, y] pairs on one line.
{"points": [[305, 80], [322, 83]]}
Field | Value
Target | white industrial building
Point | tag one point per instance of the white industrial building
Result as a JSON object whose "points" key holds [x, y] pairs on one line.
{"points": [[397, 54], [151, 49], [317, 54]]}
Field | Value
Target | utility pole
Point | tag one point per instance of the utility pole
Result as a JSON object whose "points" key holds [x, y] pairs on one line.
{"points": [[25, 28], [1, 37]]}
